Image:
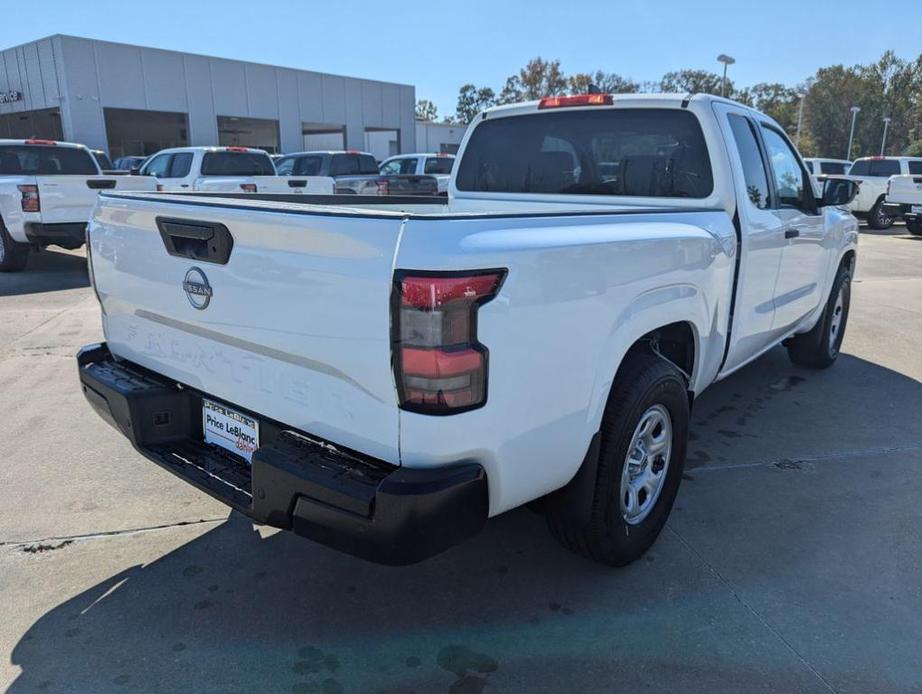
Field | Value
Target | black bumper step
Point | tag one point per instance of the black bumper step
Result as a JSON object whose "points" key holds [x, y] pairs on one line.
{"points": [[355, 503]]}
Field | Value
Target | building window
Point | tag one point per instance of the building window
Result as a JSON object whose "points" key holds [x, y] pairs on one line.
{"points": [[132, 132], [261, 133], [42, 123]]}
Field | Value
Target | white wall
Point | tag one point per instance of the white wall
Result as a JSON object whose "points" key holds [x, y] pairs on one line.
{"points": [[431, 136], [83, 76]]}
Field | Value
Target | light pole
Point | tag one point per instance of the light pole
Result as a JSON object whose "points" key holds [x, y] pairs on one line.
{"points": [[851, 135], [800, 117], [883, 143], [726, 60]]}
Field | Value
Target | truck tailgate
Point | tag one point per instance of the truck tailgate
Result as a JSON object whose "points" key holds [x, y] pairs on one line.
{"points": [[68, 199], [296, 326]]}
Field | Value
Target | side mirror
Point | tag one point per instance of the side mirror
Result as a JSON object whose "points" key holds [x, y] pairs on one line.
{"points": [[838, 191]]}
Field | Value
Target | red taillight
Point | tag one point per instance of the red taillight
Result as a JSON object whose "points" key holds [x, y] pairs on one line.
{"points": [[236, 149], [248, 187], [159, 187], [30, 199], [37, 141], [576, 100], [439, 365]]}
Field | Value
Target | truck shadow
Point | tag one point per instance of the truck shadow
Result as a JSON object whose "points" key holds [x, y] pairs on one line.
{"points": [[50, 270], [232, 609]]}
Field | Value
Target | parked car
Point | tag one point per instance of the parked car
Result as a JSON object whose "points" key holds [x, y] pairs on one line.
{"points": [[904, 199], [102, 159], [355, 173], [437, 165], [872, 174], [129, 163], [827, 167], [382, 378], [226, 169], [47, 193]]}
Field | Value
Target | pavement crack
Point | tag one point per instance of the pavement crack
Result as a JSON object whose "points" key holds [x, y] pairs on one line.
{"points": [[749, 608], [46, 542], [828, 457]]}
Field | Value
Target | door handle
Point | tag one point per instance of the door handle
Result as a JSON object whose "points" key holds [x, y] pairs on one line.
{"points": [[183, 185], [791, 233]]}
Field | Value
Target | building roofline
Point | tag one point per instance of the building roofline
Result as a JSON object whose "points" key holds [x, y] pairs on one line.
{"points": [[204, 55]]}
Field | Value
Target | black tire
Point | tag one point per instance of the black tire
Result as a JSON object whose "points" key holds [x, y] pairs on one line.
{"points": [[877, 219], [819, 348], [643, 383], [13, 255], [914, 226]]}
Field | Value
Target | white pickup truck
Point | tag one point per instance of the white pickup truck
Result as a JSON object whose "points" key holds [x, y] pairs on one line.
{"points": [[47, 193], [904, 199], [228, 170], [872, 175], [383, 376], [436, 165]]}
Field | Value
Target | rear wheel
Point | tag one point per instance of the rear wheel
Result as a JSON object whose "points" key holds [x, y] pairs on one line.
{"points": [[642, 453], [877, 218], [914, 226], [819, 348], [13, 255]]}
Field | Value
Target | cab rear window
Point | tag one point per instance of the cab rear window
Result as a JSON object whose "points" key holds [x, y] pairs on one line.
{"points": [[833, 167], [45, 160], [439, 165], [237, 164], [875, 167], [626, 152]]}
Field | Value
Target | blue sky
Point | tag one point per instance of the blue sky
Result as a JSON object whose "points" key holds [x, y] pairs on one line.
{"points": [[439, 46]]}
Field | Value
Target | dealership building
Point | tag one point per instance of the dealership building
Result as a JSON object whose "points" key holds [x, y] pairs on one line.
{"points": [[134, 100]]}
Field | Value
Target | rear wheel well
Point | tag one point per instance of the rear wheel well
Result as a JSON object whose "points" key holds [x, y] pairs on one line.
{"points": [[848, 260], [674, 343]]}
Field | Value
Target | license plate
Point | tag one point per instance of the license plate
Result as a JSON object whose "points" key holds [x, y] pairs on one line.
{"points": [[916, 209], [229, 429]]}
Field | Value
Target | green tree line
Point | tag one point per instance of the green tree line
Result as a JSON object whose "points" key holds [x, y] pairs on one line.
{"points": [[889, 87]]}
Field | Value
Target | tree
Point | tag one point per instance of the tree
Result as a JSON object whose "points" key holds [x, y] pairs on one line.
{"points": [[539, 78], [776, 100], [607, 82], [694, 82], [426, 110], [471, 101]]}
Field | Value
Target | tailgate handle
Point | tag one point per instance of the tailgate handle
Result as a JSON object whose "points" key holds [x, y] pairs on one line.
{"points": [[100, 183], [208, 242], [297, 184]]}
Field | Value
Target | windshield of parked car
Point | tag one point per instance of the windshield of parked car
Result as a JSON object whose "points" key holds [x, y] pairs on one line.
{"points": [[645, 152], [30, 160], [237, 164]]}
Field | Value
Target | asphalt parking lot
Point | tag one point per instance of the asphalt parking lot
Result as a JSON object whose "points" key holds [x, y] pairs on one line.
{"points": [[792, 561]]}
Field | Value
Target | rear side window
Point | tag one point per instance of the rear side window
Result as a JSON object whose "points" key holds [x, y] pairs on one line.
{"points": [[103, 160], [237, 164], [751, 158], [439, 165], [915, 167], [181, 165], [630, 152], [45, 160], [345, 165], [833, 168], [368, 165]]}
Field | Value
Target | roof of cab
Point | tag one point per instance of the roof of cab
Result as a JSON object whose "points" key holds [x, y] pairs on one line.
{"points": [[635, 99], [41, 141]]}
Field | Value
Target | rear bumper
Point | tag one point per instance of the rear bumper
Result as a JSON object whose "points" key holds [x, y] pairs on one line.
{"points": [[896, 209], [68, 235], [359, 505]]}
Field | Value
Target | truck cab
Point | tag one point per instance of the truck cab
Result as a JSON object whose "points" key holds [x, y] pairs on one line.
{"points": [[872, 175]]}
